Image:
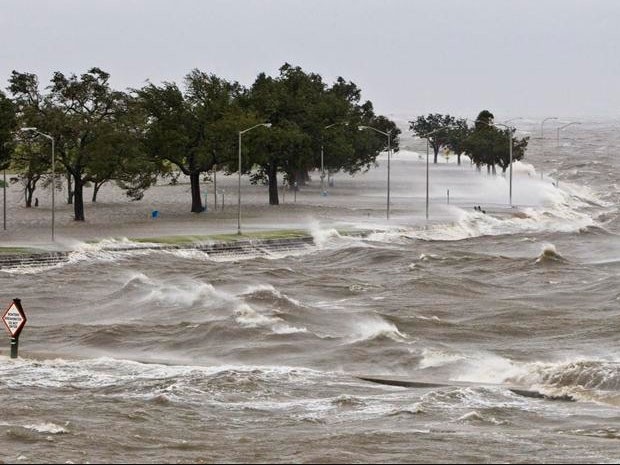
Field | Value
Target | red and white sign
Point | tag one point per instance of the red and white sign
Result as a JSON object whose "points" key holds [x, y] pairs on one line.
{"points": [[14, 319]]}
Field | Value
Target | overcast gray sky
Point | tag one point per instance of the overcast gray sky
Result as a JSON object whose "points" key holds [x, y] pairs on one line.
{"points": [[514, 57]]}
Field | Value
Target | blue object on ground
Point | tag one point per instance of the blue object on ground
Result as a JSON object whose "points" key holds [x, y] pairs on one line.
{"points": [[155, 214]]}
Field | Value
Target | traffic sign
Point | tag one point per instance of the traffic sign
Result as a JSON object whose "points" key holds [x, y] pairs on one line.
{"points": [[14, 318]]}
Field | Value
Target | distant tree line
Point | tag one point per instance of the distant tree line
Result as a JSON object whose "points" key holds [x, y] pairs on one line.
{"points": [[137, 136], [485, 142]]}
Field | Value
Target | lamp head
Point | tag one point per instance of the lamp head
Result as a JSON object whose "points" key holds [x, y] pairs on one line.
{"points": [[267, 125], [28, 129]]}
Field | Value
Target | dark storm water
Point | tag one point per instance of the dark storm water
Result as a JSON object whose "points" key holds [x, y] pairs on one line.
{"points": [[180, 358]]}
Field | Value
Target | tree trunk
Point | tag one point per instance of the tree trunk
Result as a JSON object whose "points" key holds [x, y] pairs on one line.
{"points": [[194, 179], [96, 187], [78, 196], [494, 170], [69, 190], [458, 158], [272, 175], [28, 196], [436, 151]]}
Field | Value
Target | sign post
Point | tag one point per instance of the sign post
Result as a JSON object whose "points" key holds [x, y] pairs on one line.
{"points": [[14, 319]]}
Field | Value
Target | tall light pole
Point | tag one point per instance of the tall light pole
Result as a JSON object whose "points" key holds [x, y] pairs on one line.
{"points": [[47, 136], [426, 136], [323, 191], [267, 125], [557, 182], [542, 139], [389, 138], [4, 198]]}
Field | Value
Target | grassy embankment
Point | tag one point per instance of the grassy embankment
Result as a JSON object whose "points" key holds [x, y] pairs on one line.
{"points": [[260, 235], [17, 251]]}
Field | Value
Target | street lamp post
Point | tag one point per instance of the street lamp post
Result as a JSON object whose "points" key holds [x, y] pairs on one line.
{"points": [[323, 191], [542, 139], [389, 138], [426, 136], [557, 182], [47, 136], [267, 125], [4, 198]]}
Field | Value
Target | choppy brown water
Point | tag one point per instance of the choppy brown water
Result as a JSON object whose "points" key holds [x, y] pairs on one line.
{"points": [[182, 358]]}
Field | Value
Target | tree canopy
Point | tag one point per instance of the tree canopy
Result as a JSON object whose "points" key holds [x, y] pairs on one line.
{"points": [[7, 126], [487, 144], [193, 129], [88, 121], [308, 115], [434, 127]]}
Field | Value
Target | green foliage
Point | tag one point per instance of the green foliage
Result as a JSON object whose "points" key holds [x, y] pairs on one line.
{"points": [[7, 126], [193, 129], [489, 145], [103, 135], [31, 159], [435, 127], [308, 115], [456, 137], [88, 121]]}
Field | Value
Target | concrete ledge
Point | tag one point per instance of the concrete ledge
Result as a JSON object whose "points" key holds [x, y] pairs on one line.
{"points": [[217, 249]]}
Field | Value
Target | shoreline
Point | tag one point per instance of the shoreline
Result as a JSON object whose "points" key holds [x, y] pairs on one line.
{"points": [[216, 245]]}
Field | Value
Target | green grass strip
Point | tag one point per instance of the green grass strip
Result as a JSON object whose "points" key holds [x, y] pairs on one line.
{"points": [[18, 251]]}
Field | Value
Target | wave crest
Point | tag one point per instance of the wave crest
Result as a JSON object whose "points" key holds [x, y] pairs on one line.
{"points": [[549, 254]]}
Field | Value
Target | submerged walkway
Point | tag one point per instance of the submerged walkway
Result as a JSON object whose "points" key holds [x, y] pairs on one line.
{"points": [[229, 248]]}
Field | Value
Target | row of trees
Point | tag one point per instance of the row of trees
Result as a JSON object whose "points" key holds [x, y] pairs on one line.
{"points": [[484, 142], [137, 136]]}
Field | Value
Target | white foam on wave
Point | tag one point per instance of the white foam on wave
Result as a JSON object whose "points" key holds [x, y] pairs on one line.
{"points": [[477, 417], [549, 253], [322, 236], [488, 368], [106, 250], [178, 292], [258, 288], [580, 379], [247, 317], [47, 428], [437, 358], [183, 293], [366, 328], [118, 373]]}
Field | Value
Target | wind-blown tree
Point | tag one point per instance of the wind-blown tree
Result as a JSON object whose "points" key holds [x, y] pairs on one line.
{"points": [[121, 156], [290, 103], [190, 129], [82, 114], [31, 160], [347, 148], [300, 106], [456, 137], [7, 126], [423, 125], [519, 146], [489, 145]]}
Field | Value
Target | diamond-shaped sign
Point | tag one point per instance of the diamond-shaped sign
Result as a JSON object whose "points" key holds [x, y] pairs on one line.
{"points": [[14, 318]]}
